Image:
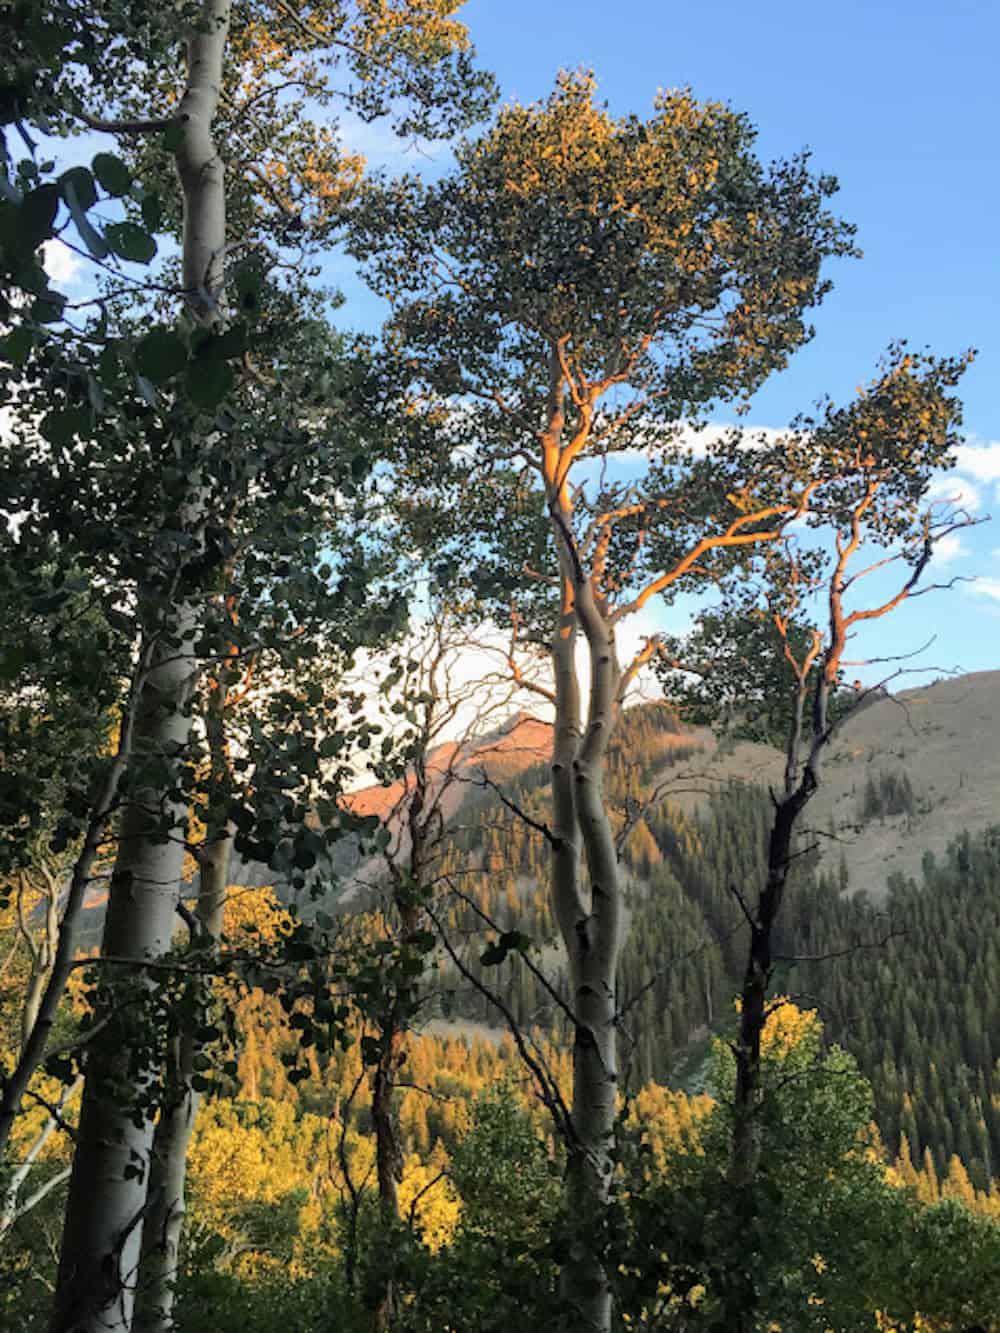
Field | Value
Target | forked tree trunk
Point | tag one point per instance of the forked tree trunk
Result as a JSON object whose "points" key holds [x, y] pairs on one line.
{"points": [[590, 925], [107, 1197], [747, 1147], [108, 1200]]}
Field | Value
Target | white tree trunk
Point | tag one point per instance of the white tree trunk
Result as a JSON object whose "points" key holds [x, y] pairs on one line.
{"points": [[108, 1200], [107, 1197], [589, 922], [164, 1223]]}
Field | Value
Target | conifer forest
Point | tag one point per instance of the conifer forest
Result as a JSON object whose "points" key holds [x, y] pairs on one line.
{"points": [[481, 844]]}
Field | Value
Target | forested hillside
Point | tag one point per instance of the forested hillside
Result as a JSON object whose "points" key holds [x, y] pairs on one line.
{"points": [[372, 960], [904, 977]]}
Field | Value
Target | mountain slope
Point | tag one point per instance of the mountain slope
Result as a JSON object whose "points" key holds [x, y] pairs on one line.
{"points": [[943, 738]]}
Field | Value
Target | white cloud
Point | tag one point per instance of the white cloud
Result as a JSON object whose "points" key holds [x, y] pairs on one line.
{"points": [[985, 587], [697, 440], [948, 549], [959, 491], [381, 147], [61, 264], [977, 467], [981, 461]]}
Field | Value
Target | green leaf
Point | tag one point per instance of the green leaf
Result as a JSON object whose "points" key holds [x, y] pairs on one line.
{"points": [[208, 381], [514, 939], [161, 354], [112, 174], [82, 184], [60, 1067], [209, 346], [172, 138], [63, 425], [248, 279], [121, 622], [48, 308], [152, 211], [107, 366], [16, 347], [229, 344], [132, 242], [35, 216], [304, 859]]}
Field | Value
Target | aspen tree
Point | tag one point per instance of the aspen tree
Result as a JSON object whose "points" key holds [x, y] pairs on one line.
{"points": [[576, 286], [772, 661], [199, 88]]}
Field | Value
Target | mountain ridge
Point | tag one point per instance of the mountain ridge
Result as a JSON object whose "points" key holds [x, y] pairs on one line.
{"points": [[943, 736]]}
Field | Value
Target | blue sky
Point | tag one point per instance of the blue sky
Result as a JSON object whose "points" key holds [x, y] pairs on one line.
{"points": [[901, 102]]}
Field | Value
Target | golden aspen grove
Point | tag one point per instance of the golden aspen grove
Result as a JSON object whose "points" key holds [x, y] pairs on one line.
{"points": [[490, 837]]}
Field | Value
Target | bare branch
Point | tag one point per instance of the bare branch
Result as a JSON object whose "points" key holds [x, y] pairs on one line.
{"points": [[894, 934], [547, 1087], [488, 784], [152, 126]]}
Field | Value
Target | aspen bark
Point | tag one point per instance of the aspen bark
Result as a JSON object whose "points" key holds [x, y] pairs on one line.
{"points": [[588, 919], [593, 943], [164, 1223], [108, 1198]]}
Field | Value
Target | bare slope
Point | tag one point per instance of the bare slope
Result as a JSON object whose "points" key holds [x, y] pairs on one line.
{"points": [[945, 739], [501, 755]]}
